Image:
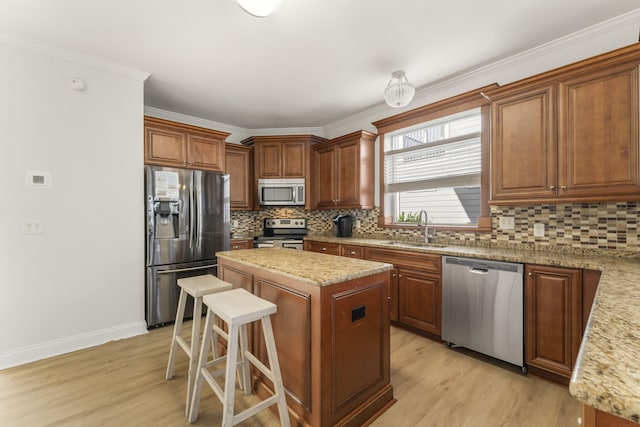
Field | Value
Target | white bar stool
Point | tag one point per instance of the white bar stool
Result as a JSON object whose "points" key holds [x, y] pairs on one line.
{"points": [[197, 287], [238, 308]]}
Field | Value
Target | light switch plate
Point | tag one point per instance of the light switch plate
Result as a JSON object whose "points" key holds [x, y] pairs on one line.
{"points": [[538, 230], [33, 226], [507, 223]]}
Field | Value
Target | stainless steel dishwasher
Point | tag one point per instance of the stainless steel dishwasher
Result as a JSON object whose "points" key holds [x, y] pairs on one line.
{"points": [[482, 307]]}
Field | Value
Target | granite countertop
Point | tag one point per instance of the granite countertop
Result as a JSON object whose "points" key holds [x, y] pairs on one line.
{"points": [[309, 267], [607, 374]]}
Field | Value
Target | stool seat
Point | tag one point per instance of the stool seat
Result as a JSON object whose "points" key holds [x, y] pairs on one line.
{"points": [[197, 287], [239, 306]]}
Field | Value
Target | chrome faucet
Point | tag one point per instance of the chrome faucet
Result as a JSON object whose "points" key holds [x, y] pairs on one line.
{"points": [[423, 215]]}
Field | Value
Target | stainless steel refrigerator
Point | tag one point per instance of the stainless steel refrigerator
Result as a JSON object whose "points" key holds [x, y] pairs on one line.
{"points": [[187, 223]]}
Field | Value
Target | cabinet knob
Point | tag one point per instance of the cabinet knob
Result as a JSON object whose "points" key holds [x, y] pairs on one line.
{"points": [[552, 187], [530, 274], [324, 249], [352, 252], [399, 275], [564, 187]]}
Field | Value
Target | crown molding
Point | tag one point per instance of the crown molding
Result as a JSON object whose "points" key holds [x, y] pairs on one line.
{"points": [[317, 131], [591, 41], [73, 56]]}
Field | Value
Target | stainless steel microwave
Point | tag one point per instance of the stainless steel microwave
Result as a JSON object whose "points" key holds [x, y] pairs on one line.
{"points": [[281, 192]]}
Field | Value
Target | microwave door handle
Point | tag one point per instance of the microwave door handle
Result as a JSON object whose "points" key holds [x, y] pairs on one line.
{"points": [[293, 193]]}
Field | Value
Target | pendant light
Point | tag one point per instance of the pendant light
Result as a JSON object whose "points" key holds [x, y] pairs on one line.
{"points": [[259, 8], [399, 91]]}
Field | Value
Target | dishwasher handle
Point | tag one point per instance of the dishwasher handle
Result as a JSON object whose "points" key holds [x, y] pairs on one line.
{"points": [[478, 270]]}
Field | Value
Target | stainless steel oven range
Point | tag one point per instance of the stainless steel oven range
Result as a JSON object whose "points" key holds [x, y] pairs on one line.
{"points": [[282, 232]]}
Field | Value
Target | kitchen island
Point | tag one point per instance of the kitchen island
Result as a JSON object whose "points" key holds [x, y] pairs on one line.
{"points": [[331, 331]]}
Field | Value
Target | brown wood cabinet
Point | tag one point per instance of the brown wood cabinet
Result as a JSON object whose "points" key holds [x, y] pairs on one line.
{"points": [[322, 345], [415, 288], [284, 156], [328, 248], [415, 284], [240, 244], [239, 166], [420, 300], [592, 417], [523, 145], [168, 143], [553, 318], [343, 172], [558, 303], [569, 135]]}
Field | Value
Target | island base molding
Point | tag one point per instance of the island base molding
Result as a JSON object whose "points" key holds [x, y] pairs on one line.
{"points": [[362, 416]]}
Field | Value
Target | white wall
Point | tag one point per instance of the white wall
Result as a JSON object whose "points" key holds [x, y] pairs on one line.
{"points": [[81, 283]]}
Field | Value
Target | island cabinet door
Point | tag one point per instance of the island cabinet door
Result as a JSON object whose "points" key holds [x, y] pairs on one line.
{"points": [[420, 300], [292, 334]]}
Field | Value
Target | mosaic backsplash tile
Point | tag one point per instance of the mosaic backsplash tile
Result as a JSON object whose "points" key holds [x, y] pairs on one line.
{"points": [[570, 226]]}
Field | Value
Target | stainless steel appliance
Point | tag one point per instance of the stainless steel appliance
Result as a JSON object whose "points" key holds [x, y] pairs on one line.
{"points": [[281, 192], [482, 307], [187, 223], [282, 233], [342, 225]]}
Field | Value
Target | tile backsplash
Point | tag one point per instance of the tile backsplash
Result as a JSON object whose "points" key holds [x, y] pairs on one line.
{"points": [[577, 226]]}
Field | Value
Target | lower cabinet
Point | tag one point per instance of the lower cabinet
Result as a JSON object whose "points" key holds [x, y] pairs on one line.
{"points": [[558, 304], [240, 244], [322, 247], [420, 300], [592, 417]]}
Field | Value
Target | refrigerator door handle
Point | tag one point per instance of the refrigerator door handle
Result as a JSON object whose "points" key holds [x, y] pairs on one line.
{"points": [[197, 198], [191, 216], [179, 270], [150, 228]]}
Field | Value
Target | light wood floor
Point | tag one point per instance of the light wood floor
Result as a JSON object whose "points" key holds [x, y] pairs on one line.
{"points": [[122, 384]]}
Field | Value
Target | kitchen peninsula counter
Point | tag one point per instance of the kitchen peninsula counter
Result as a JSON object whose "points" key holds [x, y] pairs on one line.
{"points": [[331, 331], [607, 375]]}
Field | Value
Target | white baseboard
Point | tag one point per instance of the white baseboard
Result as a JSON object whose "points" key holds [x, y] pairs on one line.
{"points": [[66, 345]]}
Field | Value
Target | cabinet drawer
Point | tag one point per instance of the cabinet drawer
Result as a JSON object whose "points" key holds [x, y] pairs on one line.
{"points": [[423, 262], [240, 244], [352, 251], [322, 247]]}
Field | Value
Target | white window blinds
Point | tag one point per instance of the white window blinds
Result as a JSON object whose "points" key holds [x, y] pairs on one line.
{"points": [[441, 154]]}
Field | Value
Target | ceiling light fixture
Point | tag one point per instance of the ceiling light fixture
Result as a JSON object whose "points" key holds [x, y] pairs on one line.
{"points": [[259, 8], [399, 91]]}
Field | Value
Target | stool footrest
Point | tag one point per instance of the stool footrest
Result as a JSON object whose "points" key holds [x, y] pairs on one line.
{"points": [[184, 344], [258, 364], [261, 406]]}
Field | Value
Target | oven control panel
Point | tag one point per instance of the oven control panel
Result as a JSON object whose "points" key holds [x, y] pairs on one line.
{"points": [[285, 223]]}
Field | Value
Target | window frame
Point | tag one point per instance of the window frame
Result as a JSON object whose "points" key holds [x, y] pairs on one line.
{"points": [[446, 107]]}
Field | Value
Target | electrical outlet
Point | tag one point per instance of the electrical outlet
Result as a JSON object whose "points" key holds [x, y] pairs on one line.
{"points": [[507, 223], [33, 226], [236, 223], [538, 230], [357, 223]]}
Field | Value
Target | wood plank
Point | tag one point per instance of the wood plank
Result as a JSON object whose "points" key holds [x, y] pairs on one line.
{"points": [[122, 383]]}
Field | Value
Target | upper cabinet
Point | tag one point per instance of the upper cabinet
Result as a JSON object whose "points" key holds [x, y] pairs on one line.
{"points": [[570, 135], [239, 166], [342, 172], [284, 156], [168, 143]]}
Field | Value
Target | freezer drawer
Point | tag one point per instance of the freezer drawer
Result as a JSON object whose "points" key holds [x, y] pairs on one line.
{"points": [[163, 292]]}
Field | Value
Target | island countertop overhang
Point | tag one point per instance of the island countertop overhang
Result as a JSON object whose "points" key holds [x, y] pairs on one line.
{"points": [[308, 267]]}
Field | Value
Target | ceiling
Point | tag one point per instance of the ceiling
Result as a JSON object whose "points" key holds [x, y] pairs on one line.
{"points": [[311, 63]]}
